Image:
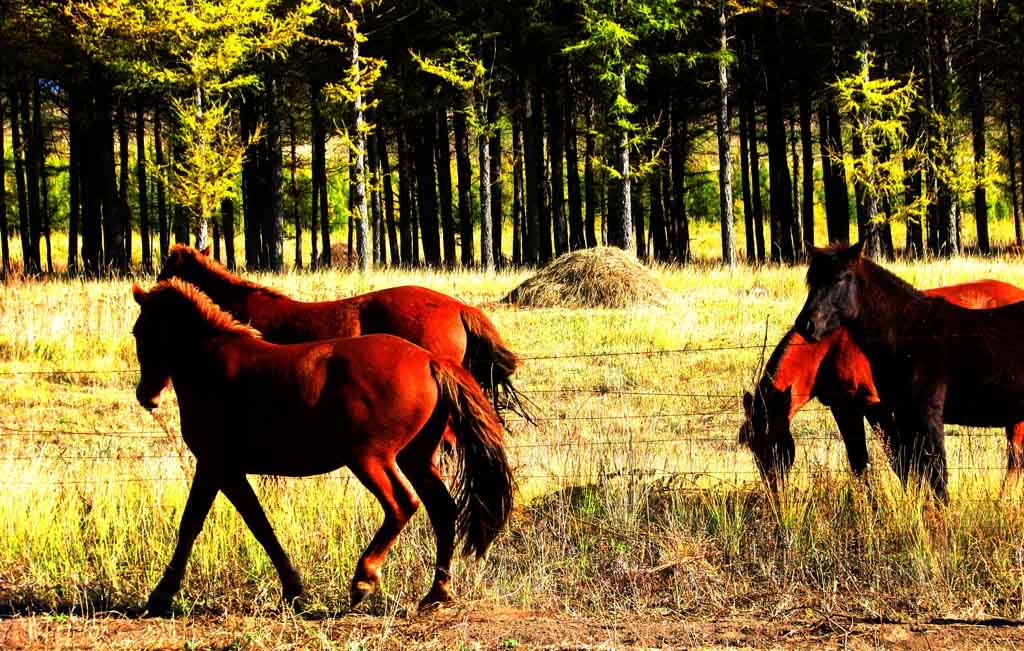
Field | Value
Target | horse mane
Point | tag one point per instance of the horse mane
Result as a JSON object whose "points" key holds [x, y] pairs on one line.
{"points": [[208, 311], [187, 254]]}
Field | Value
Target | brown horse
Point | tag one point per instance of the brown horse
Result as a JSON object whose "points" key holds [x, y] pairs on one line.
{"points": [[377, 404], [933, 362], [446, 327], [836, 372]]}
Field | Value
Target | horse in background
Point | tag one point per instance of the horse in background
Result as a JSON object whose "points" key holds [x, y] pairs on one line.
{"points": [[445, 326], [376, 404], [836, 372], [932, 362]]}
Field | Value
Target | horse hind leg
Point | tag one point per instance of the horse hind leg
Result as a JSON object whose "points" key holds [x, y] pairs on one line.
{"points": [[239, 492], [417, 461], [200, 498], [396, 497]]}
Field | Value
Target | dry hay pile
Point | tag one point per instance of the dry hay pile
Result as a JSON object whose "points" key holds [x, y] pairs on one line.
{"points": [[598, 277]]}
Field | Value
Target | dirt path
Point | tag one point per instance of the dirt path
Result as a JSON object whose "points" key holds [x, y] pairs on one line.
{"points": [[505, 630]]}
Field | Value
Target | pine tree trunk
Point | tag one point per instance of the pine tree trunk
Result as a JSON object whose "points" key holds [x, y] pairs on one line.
{"points": [[977, 99], [748, 206], [426, 205], [572, 169], [589, 181], [32, 155], [556, 146], [620, 220], [941, 78], [314, 177], [534, 166], [44, 190], [5, 250], [364, 247], [275, 206], [465, 174], [293, 191], [113, 237], [123, 209], [679, 153], [724, 144], [484, 163], [443, 157], [497, 199], [250, 172], [912, 193], [140, 175], [321, 213], [780, 197], [807, 151], [518, 209], [838, 216], [1018, 228], [796, 225], [755, 185], [227, 219], [637, 212], [405, 193], [659, 242], [19, 178], [389, 197], [376, 211], [161, 200], [90, 181]]}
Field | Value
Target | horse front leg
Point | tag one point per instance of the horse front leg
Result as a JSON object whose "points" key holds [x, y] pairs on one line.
{"points": [[850, 419], [239, 492], [200, 499]]}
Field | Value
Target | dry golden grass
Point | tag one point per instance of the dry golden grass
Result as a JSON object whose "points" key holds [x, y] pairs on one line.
{"points": [[634, 497]]}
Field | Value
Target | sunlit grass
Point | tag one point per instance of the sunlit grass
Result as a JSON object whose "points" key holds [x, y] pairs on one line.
{"points": [[632, 492]]}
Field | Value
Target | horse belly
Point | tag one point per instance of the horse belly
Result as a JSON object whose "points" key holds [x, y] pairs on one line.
{"points": [[985, 406]]}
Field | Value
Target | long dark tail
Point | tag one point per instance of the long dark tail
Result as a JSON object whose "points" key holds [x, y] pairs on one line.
{"points": [[483, 486], [492, 363]]}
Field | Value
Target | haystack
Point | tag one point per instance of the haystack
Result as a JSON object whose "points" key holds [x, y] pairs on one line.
{"points": [[599, 277]]}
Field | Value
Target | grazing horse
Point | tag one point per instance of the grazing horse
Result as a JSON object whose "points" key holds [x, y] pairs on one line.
{"points": [[445, 326], [835, 371], [933, 362], [377, 404]]}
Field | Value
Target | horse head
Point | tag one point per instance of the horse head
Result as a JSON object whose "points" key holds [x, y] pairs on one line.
{"points": [[183, 262], [766, 431], [151, 346], [833, 294]]}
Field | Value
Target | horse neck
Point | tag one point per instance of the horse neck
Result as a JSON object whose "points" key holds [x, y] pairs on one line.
{"points": [[888, 307], [794, 365], [222, 289]]}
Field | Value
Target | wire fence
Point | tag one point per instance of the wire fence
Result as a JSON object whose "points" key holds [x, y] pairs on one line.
{"points": [[728, 414]]}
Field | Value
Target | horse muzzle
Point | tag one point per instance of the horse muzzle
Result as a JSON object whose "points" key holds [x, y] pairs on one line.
{"points": [[148, 400]]}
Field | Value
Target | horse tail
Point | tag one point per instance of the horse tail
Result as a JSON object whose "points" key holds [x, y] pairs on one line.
{"points": [[483, 483], [492, 363]]}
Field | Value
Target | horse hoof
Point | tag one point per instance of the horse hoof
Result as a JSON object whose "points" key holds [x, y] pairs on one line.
{"points": [[360, 591], [159, 604], [436, 599]]}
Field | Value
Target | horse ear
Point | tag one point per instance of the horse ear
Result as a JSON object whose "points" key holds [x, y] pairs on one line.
{"points": [[138, 293], [205, 250], [855, 251], [748, 403]]}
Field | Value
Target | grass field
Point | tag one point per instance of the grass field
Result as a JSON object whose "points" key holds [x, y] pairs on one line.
{"points": [[634, 498]]}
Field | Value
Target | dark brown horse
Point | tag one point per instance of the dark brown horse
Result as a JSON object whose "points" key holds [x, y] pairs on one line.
{"points": [[932, 362], [446, 327], [836, 372], [377, 404]]}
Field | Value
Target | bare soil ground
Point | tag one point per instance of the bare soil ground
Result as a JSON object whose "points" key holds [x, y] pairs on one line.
{"points": [[473, 628]]}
